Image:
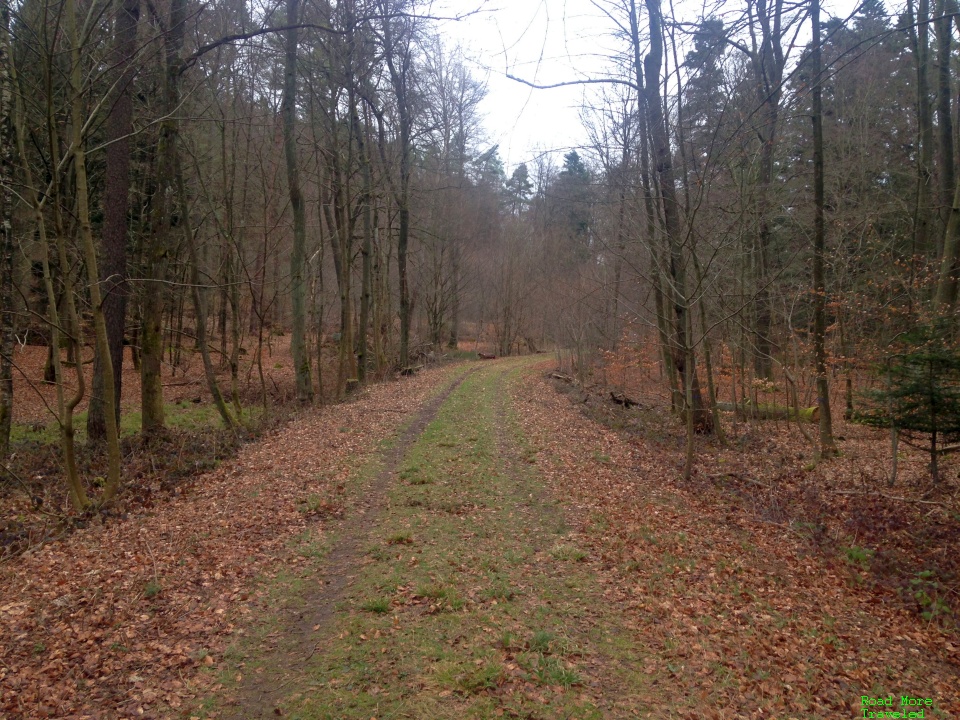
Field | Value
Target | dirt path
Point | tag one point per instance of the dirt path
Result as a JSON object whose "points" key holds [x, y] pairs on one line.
{"points": [[470, 599], [516, 560], [260, 695], [130, 618], [464, 544]]}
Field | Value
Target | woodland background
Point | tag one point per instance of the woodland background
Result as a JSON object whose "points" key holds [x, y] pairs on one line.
{"points": [[762, 223]]}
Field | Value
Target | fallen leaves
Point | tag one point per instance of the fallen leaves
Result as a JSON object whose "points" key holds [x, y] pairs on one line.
{"points": [[733, 609], [130, 617]]}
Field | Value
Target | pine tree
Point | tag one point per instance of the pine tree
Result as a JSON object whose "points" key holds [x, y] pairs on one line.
{"points": [[518, 189], [922, 394]]}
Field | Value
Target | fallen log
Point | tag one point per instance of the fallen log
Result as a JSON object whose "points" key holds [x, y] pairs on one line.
{"points": [[412, 370], [486, 356], [772, 411], [561, 376], [621, 399]]}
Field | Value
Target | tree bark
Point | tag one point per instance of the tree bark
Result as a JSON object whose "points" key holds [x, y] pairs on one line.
{"points": [[683, 356], [768, 64], [828, 447], [113, 265], [366, 284], [112, 486], [157, 251], [943, 27], [920, 39], [199, 301], [298, 345], [65, 406], [656, 266], [6, 237], [398, 57]]}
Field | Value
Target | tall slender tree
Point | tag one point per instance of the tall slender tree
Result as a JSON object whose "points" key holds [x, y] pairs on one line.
{"points": [[298, 346], [827, 445], [116, 206]]}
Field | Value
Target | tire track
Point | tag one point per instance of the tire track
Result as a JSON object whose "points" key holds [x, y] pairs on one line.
{"points": [[260, 694]]}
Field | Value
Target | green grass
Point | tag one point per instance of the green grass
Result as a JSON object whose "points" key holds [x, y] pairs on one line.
{"points": [[540, 642], [184, 415], [376, 605], [568, 553], [552, 671], [402, 538], [455, 614]]}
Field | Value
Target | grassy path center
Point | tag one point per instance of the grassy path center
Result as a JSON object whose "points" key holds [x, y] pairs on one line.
{"points": [[470, 599]]}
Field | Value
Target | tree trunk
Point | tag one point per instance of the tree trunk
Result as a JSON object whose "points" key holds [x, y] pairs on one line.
{"points": [[946, 293], [656, 266], [298, 345], [682, 349], [943, 27], [199, 301], [112, 485], [366, 289], [158, 248], [919, 37], [6, 236], [113, 267], [398, 57], [65, 407], [828, 447]]}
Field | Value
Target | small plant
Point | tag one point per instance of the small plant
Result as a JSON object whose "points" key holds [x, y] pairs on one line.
{"points": [[921, 401], [401, 538], [925, 589], [499, 591], [471, 680], [540, 642], [455, 603], [376, 605], [414, 476], [551, 671], [833, 641], [488, 675], [601, 457], [568, 553], [319, 506], [433, 591], [152, 589], [859, 556]]}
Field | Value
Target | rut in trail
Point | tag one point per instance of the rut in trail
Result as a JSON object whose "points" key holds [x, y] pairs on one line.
{"points": [[461, 590], [259, 696]]}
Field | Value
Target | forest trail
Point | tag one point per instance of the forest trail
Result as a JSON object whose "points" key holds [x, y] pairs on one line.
{"points": [[513, 559], [462, 544], [458, 591]]}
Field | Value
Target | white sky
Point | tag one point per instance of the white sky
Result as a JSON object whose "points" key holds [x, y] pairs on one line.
{"points": [[544, 41]]}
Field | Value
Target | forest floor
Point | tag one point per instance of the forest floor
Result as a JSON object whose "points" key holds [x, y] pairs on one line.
{"points": [[466, 543]]}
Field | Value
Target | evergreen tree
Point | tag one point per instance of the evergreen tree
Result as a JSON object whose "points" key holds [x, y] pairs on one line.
{"points": [[922, 394], [572, 197], [518, 189]]}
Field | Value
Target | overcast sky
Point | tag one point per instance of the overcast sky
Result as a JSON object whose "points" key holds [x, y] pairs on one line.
{"points": [[545, 41]]}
